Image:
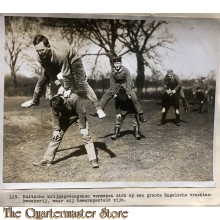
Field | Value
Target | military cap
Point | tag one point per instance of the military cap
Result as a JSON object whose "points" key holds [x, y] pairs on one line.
{"points": [[116, 59]]}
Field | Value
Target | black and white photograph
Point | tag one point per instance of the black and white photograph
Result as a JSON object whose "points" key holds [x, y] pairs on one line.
{"points": [[109, 101]]}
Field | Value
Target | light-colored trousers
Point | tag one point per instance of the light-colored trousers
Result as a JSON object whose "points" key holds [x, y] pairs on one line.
{"points": [[54, 144], [80, 81]]}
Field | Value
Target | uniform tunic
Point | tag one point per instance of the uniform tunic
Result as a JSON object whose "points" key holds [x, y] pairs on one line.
{"points": [[173, 83], [121, 78]]}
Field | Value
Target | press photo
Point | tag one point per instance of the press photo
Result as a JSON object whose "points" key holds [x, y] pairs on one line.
{"points": [[109, 101]]}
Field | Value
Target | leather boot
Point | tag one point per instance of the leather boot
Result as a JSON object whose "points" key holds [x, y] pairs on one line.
{"points": [[163, 119], [185, 105], [36, 98], [141, 117], [137, 133], [178, 119], [116, 135]]}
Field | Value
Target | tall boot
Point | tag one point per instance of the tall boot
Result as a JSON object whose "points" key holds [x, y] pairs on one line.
{"points": [[36, 98], [137, 133], [185, 105], [178, 119], [117, 133], [163, 119]]}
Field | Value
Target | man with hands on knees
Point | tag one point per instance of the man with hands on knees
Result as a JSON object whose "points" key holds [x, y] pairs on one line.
{"points": [[60, 57], [65, 112], [170, 80], [170, 96]]}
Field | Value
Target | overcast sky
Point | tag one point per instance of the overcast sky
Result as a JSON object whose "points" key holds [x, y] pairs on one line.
{"points": [[197, 47]]}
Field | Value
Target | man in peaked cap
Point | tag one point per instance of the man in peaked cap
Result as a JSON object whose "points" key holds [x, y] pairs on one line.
{"points": [[170, 96], [171, 78], [121, 77]]}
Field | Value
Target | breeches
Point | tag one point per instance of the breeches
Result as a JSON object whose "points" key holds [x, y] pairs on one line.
{"points": [[134, 119]]}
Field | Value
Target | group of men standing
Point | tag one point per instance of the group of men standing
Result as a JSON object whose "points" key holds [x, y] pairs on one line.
{"points": [[56, 57]]}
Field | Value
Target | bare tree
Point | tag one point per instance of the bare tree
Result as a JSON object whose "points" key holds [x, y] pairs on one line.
{"points": [[103, 33], [17, 39], [143, 38]]}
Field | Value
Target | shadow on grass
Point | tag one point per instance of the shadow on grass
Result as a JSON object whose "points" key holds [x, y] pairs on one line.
{"points": [[123, 133], [173, 121], [82, 151]]}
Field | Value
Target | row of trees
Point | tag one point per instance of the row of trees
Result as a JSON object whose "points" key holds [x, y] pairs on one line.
{"points": [[151, 90], [141, 38]]}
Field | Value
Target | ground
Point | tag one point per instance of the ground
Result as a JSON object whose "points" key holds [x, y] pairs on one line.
{"points": [[165, 153]]}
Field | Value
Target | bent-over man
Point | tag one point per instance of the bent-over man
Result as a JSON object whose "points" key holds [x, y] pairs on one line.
{"points": [[170, 96], [64, 113], [167, 80], [201, 100]]}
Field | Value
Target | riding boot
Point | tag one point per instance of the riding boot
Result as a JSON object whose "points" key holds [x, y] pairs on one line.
{"points": [[137, 133], [163, 118], [178, 119], [185, 105], [117, 133]]}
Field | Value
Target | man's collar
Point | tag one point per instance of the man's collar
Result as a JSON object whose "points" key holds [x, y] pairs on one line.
{"points": [[119, 70]]}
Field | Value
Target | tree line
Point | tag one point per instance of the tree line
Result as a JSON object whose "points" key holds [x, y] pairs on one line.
{"points": [[151, 90]]}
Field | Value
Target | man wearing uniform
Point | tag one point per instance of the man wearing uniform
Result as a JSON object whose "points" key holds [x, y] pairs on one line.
{"points": [[194, 89], [201, 100], [124, 106], [121, 77], [205, 86], [181, 92], [56, 57], [170, 96], [64, 113]]}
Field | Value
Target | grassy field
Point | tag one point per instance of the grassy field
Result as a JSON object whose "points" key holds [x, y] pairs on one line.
{"points": [[165, 153]]}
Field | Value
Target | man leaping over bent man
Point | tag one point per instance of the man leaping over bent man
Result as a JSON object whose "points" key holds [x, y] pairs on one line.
{"points": [[56, 57]]}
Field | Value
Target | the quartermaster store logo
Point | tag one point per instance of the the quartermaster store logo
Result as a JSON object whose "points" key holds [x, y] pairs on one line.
{"points": [[33, 213]]}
